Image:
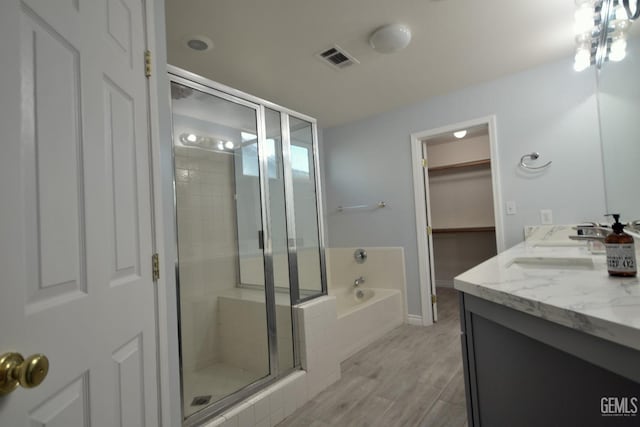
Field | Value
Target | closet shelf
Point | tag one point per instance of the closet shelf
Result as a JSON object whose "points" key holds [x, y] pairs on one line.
{"points": [[481, 162], [462, 230]]}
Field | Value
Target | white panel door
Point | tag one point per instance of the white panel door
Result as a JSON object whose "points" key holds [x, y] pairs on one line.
{"points": [[431, 279], [75, 221]]}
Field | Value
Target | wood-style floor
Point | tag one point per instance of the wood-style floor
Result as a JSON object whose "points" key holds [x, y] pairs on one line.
{"points": [[410, 377]]}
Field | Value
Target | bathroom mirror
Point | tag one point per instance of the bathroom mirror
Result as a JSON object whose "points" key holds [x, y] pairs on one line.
{"points": [[619, 105]]}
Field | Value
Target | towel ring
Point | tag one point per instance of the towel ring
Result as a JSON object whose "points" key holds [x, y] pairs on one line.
{"points": [[533, 156]]}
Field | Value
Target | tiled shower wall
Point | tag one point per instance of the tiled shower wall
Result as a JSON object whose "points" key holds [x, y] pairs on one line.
{"points": [[207, 248]]}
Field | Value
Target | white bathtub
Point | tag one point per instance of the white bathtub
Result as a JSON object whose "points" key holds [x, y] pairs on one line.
{"points": [[363, 318]]}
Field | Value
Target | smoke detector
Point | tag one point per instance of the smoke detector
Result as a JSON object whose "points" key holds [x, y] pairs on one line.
{"points": [[390, 38], [198, 43], [337, 58]]}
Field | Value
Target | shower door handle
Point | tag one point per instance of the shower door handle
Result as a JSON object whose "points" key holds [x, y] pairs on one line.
{"points": [[260, 239]]}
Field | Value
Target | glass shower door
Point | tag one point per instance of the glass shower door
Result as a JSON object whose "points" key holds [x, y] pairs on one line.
{"points": [[279, 240], [221, 260], [306, 224]]}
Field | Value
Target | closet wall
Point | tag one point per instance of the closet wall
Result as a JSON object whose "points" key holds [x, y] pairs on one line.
{"points": [[461, 204]]}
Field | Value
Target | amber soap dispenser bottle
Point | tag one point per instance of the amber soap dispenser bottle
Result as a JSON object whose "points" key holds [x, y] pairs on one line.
{"points": [[621, 251]]}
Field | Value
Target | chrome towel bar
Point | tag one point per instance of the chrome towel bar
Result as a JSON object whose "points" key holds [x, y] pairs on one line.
{"points": [[380, 204]]}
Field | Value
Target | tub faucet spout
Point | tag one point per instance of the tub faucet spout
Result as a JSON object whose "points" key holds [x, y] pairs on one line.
{"points": [[359, 281]]}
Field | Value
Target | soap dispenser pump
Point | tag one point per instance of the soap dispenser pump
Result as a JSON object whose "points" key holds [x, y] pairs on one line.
{"points": [[621, 253]]}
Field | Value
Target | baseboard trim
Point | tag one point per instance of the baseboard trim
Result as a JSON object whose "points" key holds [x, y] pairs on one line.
{"points": [[414, 319], [444, 283]]}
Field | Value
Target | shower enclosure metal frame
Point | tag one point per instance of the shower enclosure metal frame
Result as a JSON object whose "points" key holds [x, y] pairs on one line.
{"points": [[202, 84]]}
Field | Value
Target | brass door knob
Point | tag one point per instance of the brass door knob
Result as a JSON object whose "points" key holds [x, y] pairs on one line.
{"points": [[16, 370]]}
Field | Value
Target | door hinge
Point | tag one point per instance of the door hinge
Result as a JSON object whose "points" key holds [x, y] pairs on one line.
{"points": [[429, 230], [424, 163], [260, 239], [155, 267], [147, 63], [434, 299]]}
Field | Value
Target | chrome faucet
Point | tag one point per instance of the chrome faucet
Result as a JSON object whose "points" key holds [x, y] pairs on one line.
{"points": [[594, 231], [591, 231], [633, 228], [359, 281]]}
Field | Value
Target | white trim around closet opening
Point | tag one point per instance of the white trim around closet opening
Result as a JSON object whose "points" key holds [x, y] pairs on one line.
{"points": [[420, 201]]}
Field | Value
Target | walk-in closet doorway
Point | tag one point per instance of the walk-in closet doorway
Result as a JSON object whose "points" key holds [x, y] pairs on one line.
{"points": [[457, 204]]}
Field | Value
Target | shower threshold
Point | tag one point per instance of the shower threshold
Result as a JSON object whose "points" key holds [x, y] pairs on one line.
{"points": [[212, 383]]}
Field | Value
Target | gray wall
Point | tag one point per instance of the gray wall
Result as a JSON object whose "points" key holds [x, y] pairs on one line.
{"points": [[550, 109]]}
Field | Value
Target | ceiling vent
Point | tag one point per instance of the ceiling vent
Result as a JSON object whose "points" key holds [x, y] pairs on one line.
{"points": [[337, 57]]}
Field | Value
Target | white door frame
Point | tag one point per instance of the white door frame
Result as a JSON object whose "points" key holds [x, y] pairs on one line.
{"points": [[163, 226], [421, 207]]}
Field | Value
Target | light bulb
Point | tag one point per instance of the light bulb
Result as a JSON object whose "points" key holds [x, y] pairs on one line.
{"points": [[460, 134], [192, 138], [229, 145], [582, 60], [618, 49], [220, 145], [619, 20], [584, 18], [621, 13]]}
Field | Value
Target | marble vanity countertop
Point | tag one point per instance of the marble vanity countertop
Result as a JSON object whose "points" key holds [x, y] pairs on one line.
{"points": [[579, 294]]}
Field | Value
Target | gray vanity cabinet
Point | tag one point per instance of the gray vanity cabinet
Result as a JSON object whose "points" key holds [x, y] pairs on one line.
{"points": [[522, 370]]}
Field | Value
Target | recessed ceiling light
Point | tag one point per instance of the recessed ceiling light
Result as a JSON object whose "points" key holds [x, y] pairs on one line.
{"points": [[199, 43], [460, 134]]}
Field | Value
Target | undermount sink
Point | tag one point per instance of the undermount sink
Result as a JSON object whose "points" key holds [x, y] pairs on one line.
{"points": [[553, 263], [558, 243]]}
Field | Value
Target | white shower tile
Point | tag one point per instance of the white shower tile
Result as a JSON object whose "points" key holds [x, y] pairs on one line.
{"points": [[289, 398], [261, 408], [276, 397], [216, 422], [238, 409], [247, 418], [301, 390], [230, 422], [277, 416]]}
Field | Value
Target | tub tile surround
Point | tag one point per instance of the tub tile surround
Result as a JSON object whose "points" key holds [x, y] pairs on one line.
{"points": [[383, 269], [325, 341], [384, 274], [319, 355], [320, 361]]}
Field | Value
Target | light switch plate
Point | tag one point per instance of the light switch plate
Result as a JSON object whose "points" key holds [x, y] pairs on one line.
{"points": [[546, 217], [511, 208]]}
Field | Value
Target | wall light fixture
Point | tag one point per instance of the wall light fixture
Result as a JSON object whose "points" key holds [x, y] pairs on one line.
{"points": [[601, 28]]}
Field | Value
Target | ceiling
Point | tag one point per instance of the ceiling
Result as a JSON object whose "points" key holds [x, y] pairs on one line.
{"points": [[447, 137], [267, 48]]}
